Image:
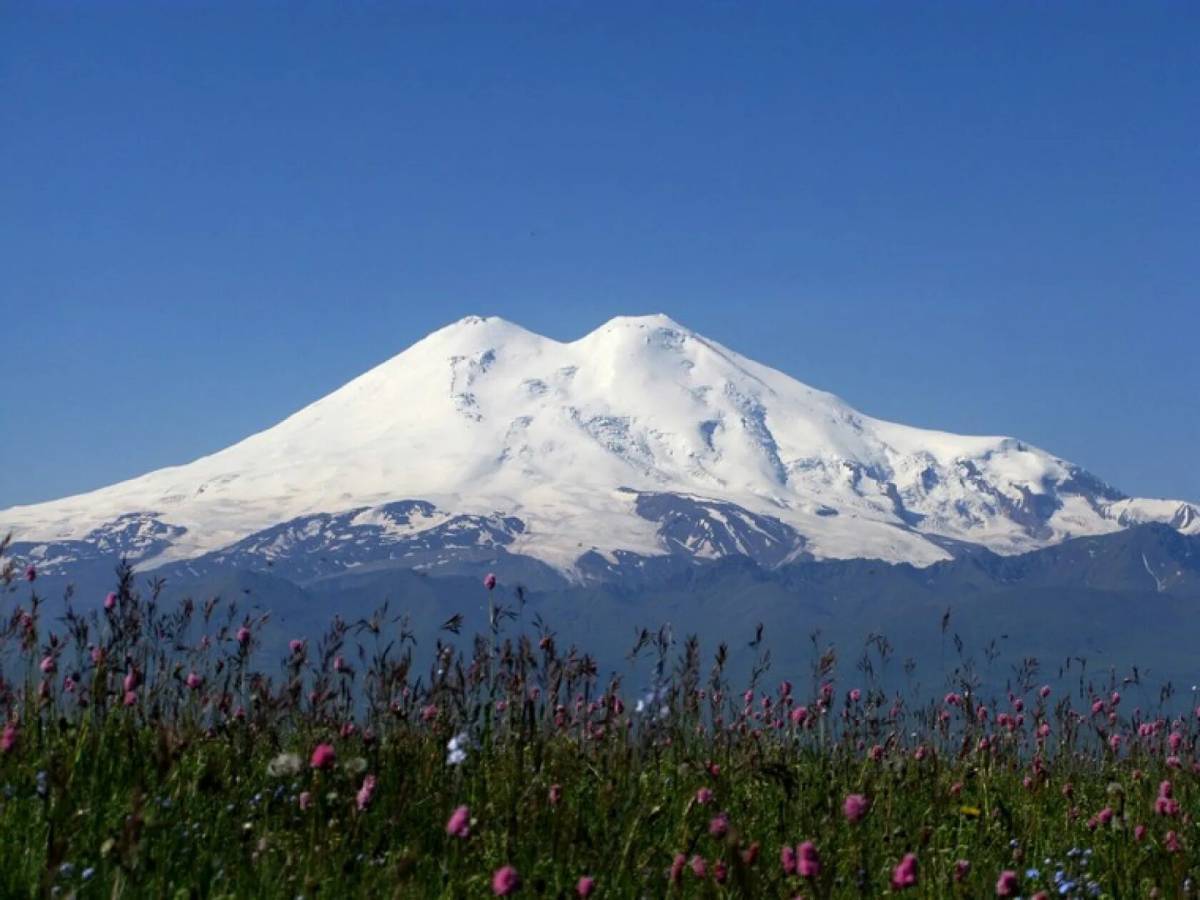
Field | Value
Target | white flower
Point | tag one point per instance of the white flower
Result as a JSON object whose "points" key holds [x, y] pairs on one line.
{"points": [[284, 764], [457, 749]]}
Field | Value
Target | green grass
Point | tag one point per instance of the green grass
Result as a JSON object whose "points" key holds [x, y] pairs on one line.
{"points": [[179, 793]]}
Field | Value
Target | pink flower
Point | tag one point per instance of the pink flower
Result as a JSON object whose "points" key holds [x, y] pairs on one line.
{"points": [[459, 824], [720, 871], [555, 794], [704, 796], [110, 600], [1172, 843], [194, 681], [429, 713], [8, 740], [296, 646], [132, 680], [1114, 742], [718, 826], [905, 873], [787, 859], [323, 756], [243, 635], [363, 798], [962, 869], [31, 574], [1007, 884], [808, 863], [799, 714], [130, 698], [1044, 692], [505, 881], [699, 867], [855, 695], [1105, 815], [855, 807], [1165, 806], [677, 866], [1139, 833], [305, 800], [489, 581], [585, 886]]}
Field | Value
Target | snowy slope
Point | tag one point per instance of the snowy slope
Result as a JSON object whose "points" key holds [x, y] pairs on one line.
{"points": [[572, 441]]}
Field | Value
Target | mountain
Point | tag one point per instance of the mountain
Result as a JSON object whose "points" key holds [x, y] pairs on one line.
{"points": [[631, 453]]}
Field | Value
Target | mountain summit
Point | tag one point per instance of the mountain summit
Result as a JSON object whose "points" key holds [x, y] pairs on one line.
{"points": [[640, 440]]}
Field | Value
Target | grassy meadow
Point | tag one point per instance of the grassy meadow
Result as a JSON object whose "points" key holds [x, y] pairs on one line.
{"points": [[143, 755]]}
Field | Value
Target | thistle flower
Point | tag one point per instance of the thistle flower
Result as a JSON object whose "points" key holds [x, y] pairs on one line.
{"points": [[905, 873], [1007, 885], [808, 862], [363, 798], [110, 601], [585, 886], [8, 740], [855, 807], [459, 823], [489, 581], [323, 756]]}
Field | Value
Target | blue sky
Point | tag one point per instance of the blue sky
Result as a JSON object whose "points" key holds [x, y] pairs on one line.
{"points": [[980, 217]]}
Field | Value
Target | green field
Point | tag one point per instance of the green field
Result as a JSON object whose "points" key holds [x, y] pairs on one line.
{"points": [[144, 756]]}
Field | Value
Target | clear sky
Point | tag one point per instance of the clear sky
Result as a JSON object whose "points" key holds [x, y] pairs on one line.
{"points": [[980, 217]]}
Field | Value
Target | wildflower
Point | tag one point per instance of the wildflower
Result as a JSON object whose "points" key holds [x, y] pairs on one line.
{"points": [[905, 873], [296, 646], [704, 796], [1044, 691], [363, 798], [1139, 833], [799, 714], [110, 601], [459, 823], [1171, 842], [284, 764], [855, 695], [323, 756], [855, 807], [787, 859], [31, 573], [429, 713], [750, 855], [555, 794], [699, 867], [243, 635], [677, 866], [718, 826], [194, 681], [505, 881], [489, 581], [49, 665], [585, 886], [962, 869], [456, 750], [8, 740], [808, 863], [1007, 884], [130, 698]]}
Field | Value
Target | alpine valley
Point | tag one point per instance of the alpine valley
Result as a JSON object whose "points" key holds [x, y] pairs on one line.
{"points": [[639, 475]]}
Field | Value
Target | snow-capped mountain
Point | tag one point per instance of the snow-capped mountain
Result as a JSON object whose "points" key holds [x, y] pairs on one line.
{"points": [[638, 442]]}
